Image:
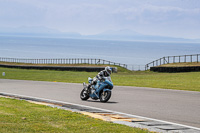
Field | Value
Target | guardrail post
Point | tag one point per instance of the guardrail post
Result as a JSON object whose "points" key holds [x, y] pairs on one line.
{"points": [[168, 59], [163, 60], [185, 59], [160, 61]]}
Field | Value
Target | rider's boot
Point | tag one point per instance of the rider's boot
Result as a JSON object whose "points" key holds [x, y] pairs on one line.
{"points": [[88, 88]]}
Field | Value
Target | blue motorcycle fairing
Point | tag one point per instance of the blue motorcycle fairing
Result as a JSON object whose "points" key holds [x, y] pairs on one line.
{"points": [[106, 89], [101, 86], [110, 84]]}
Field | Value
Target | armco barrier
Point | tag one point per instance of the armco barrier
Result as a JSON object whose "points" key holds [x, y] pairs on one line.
{"points": [[61, 68], [176, 69]]}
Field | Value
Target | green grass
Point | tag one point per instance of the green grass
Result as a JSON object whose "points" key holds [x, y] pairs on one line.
{"points": [[18, 116], [120, 69], [186, 64], [179, 81]]}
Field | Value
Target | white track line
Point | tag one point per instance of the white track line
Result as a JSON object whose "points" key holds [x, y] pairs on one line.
{"points": [[107, 111]]}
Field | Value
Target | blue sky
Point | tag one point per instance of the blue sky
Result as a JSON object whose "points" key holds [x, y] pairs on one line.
{"points": [[174, 18]]}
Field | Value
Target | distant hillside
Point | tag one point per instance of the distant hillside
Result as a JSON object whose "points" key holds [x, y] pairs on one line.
{"points": [[128, 35], [123, 35]]}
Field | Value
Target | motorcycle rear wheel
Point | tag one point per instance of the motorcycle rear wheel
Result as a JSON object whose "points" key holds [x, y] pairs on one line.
{"points": [[105, 96], [84, 95]]}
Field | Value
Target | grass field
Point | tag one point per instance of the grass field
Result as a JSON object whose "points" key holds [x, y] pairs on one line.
{"points": [[186, 64], [179, 81], [18, 116]]}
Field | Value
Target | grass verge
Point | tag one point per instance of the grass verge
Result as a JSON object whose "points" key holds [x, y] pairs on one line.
{"points": [[179, 81], [18, 116], [186, 64], [119, 68]]}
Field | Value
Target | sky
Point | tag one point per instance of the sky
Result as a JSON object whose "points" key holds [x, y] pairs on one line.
{"points": [[173, 18]]}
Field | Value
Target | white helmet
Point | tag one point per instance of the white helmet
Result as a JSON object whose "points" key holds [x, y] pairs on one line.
{"points": [[108, 70]]}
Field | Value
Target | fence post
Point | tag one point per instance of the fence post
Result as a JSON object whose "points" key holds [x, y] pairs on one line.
{"points": [[168, 59], [197, 58], [160, 61], [163, 60], [179, 59], [185, 59], [191, 58]]}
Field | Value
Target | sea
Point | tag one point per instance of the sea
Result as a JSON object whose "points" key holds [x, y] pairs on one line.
{"points": [[136, 54]]}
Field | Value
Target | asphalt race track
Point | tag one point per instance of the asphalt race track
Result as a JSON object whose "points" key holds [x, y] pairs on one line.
{"points": [[182, 107]]}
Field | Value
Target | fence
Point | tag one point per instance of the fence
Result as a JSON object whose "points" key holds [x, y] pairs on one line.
{"points": [[135, 67], [173, 59], [62, 61]]}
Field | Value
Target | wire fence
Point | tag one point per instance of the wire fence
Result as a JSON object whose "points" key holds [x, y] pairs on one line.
{"points": [[173, 59], [132, 67], [62, 61]]}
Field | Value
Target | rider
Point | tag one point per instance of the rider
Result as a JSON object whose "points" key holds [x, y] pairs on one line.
{"points": [[104, 73]]}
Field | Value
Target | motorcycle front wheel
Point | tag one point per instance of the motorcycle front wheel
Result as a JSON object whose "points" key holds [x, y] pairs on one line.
{"points": [[105, 96], [84, 95]]}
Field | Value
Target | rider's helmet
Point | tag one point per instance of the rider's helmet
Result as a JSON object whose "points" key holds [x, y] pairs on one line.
{"points": [[108, 70]]}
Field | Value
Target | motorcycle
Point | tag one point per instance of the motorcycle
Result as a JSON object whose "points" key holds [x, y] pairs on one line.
{"points": [[101, 90]]}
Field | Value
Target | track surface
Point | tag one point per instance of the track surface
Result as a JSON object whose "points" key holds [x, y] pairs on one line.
{"points": [[182, 107]]}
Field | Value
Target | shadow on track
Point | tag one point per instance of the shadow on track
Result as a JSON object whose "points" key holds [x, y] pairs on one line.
{"points": [[110, 102]]}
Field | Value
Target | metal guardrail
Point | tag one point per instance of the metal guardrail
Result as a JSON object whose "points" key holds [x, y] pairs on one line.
{"points": [[173, 59], [62, 61]]}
